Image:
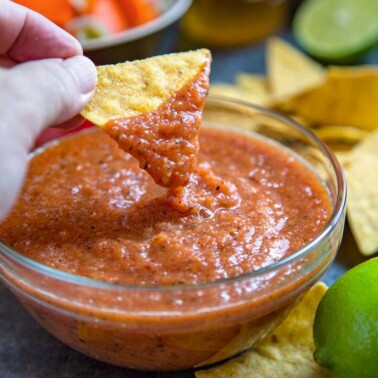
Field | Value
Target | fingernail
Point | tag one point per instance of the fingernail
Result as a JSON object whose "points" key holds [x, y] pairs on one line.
{"points": [[83, 71]]}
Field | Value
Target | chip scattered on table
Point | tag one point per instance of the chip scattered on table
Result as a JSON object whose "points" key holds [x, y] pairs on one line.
{"points": [[362, 203], [349, 96], [230, 91], [250, 88], [287, 352], [291, 72], [344, 134], [256, 86], [131, 88], [153, 109]]}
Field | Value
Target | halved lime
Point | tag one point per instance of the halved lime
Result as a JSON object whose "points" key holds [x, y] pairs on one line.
{"points": [[337, 31]]}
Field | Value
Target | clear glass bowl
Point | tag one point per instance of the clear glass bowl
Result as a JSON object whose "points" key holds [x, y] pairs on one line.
{"points": [[179, 327]]}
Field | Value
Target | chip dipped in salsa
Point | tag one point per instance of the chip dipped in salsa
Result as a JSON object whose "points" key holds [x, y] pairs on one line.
{"points": [[153, 109], [166, 141], [88, 209]]}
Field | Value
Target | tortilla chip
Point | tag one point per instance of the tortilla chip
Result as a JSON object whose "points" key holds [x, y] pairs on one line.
{"points": [[362, 203], [349, 96], [227, 90], [343, 157], [301, 120], [237, 92], [131, 88], [291, 72], [345, 134], [256, 86], [287, 352]]}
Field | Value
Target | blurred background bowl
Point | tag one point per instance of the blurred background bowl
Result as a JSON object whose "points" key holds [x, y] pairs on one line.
{"points": [[140, 41]]}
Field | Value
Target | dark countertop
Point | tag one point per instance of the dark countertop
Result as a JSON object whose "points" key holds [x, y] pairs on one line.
{"points": [[26, 350]]}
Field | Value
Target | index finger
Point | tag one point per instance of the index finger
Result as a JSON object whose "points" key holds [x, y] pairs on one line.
{"points": [[26, 35]]}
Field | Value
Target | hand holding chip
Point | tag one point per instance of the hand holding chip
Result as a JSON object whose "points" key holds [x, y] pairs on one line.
{"points": [[44, 81]]}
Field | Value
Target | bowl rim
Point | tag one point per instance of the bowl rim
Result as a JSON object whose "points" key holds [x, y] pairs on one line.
{"points": [[335, 218], [167, 18]]}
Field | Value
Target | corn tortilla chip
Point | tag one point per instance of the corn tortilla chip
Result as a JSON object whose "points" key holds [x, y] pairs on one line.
{"points": [[287, 352], [290, 72], [256, 86], [343, 157], [237, 93], [349, 96], [131, 88], [346, 134], [303, 121], [227, 90], [153, 109], [362, 203]]}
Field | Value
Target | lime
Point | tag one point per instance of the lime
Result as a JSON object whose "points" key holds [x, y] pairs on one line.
{"points": [[337, 31], [346, 324]]}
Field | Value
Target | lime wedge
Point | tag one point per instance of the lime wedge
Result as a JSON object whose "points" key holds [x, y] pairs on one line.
{"points": [[337, 31]]}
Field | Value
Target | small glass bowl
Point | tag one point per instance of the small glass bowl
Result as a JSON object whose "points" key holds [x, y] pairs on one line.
{"points": [[180, 327]]}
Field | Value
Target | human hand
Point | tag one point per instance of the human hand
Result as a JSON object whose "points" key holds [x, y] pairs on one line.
{"points": [[44, 81]]}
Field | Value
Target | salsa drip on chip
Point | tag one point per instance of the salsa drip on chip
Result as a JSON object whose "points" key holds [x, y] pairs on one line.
{"points": [[153, 109]]}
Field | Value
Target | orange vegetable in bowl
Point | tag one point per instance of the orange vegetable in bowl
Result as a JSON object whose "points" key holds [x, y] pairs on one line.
{"points": [[58, 11], [110, 13], [112, 34], [94, 18], [138, 11]]}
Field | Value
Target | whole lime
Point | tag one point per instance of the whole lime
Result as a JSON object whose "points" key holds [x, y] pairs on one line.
{"points": [[337, 31], [346, 324]]}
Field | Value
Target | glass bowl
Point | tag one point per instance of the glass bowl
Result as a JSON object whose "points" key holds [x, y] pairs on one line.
{"points": [[141, 41], [186, 326]]}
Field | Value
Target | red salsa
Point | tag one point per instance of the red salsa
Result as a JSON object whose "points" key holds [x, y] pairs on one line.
{"points": [[165, 141], [87, 208]]}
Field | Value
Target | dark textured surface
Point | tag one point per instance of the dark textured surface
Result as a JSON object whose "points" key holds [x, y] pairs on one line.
{"points": [[26, 350]]}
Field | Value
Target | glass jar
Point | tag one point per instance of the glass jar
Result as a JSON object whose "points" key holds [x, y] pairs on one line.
{"points": [[225, 23]]}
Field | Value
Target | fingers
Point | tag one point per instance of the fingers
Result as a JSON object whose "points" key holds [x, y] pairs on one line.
{"points": [[71, 123], [34, 95], [26, 35], [37, 94], [13, 164]]}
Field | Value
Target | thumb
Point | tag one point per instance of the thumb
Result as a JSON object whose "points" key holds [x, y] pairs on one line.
{"points": [[43, 93], [35, 95]]}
